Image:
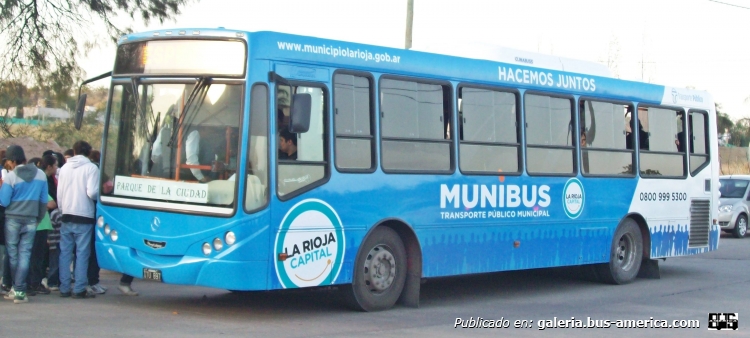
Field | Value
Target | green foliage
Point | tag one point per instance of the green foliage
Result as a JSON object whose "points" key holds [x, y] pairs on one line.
{"points": [[42, 38], [723, 122], [97, 97], [13, 94], [740, 133], [650, 172], [65, 133]]}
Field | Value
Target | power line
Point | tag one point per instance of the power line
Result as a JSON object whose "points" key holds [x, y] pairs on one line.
{"points": [[724, 3]]}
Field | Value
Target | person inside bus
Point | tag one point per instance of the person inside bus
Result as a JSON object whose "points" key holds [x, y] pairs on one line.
{"points": [[680, 137], [234, 139], [589, 132], [584, 154], [287, 145], [201, 149], [255, 194], [161, 151], [642, 138]]}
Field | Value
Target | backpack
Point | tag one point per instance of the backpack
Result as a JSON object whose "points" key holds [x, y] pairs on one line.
{"points": [[55, 217]]}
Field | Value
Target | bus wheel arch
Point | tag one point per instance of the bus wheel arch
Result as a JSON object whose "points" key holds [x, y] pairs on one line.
{"points": [[392, 248], [410, 294], [645, 234]]}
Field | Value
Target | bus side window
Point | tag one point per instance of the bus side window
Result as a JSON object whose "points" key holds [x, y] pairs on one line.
{"points": [[608, 152], [353, 109], [549, 134], [661, 157], [413, 121], [256, 185], [489, 140], [698, 140]]}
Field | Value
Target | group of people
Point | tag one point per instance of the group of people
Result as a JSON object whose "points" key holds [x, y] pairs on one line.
{"points": [[49, 207]]}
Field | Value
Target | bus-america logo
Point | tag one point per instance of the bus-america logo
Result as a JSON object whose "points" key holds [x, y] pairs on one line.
{"points": [[312, 237], [574, 198]]}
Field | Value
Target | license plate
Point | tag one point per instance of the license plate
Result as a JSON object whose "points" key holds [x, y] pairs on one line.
{"points": [[152, 274]]}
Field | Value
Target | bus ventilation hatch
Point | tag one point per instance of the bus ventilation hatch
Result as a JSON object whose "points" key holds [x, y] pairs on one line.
{"points": [[700, 222]]}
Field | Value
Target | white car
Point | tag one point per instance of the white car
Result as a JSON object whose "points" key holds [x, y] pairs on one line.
{"points": [[734, 204]]}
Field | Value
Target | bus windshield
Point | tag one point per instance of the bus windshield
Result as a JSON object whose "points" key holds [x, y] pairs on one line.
{"points": [[173, 142]]}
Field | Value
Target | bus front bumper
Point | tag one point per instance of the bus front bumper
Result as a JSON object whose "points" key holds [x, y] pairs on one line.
{"points": [[185, 270]]}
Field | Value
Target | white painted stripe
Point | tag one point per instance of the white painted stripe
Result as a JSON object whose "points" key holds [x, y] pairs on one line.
{"points": [[167, 206]]}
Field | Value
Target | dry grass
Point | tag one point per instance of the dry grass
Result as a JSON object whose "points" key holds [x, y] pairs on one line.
{"points": [[733, 161], [735, 168]]}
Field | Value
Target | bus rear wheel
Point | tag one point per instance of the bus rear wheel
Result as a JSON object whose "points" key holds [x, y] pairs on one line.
{"points": [[625, 256], [379, 271]]}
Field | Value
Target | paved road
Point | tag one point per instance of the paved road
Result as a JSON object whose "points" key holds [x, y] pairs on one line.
{"points": [[689, 289]]}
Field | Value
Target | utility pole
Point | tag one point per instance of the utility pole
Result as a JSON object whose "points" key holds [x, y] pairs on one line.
{"points": [[642, 66], [409, 20]]}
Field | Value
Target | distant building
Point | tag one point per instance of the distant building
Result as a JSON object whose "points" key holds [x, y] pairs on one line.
{"points": [[45, 113], [41, 112]]}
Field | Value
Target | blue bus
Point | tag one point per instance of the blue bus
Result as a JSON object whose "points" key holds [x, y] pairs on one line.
{"points": [[260, 160]]}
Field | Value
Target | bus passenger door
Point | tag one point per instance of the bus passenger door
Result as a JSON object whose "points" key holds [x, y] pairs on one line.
{"points": [[308, 249]]}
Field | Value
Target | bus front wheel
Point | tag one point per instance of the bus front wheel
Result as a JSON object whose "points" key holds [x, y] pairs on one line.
{"points": [[625, 256], [379, 271]]}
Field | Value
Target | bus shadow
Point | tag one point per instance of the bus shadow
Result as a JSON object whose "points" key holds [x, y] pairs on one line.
{"points": [[330, 300], [435, 292]]}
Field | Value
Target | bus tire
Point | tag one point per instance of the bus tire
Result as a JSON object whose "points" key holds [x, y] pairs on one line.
{"points": [[740, 227], [625, 256], [379, 271]]}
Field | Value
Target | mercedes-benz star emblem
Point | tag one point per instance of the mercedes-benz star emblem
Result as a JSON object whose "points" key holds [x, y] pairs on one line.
{"points": [[155, 224]]}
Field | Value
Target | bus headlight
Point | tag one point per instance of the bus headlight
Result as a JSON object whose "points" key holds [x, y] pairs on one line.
{"points": [[725, 208], [100, 221], [107, 229], [218, 245], [113, 235], [206, 249], [229, 238]]}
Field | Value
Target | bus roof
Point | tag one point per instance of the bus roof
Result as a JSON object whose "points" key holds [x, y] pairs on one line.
{"points": [[513, 56], [483, 65]]}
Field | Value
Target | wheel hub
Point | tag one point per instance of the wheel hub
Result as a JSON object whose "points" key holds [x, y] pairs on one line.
{"points": [[379, 269], [625, 253], [742, 226]]}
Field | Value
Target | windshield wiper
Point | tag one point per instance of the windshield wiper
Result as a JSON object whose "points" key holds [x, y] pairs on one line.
{"points": [[199, 90], [155, 130], [146, 119]]}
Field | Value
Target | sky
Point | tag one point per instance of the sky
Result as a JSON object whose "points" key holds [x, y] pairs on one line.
{"points": [[700, 44]]}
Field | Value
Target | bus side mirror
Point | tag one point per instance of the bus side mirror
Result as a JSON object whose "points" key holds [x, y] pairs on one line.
{"points": [[299, 118], [79, 111]]}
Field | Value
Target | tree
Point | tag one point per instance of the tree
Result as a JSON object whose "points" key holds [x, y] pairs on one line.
{"points": [[13, 94], [42, 38], [740, 133], [723, 122]]}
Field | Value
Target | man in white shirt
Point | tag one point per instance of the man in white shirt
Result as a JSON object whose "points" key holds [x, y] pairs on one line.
{"points": [[77, 190]]}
